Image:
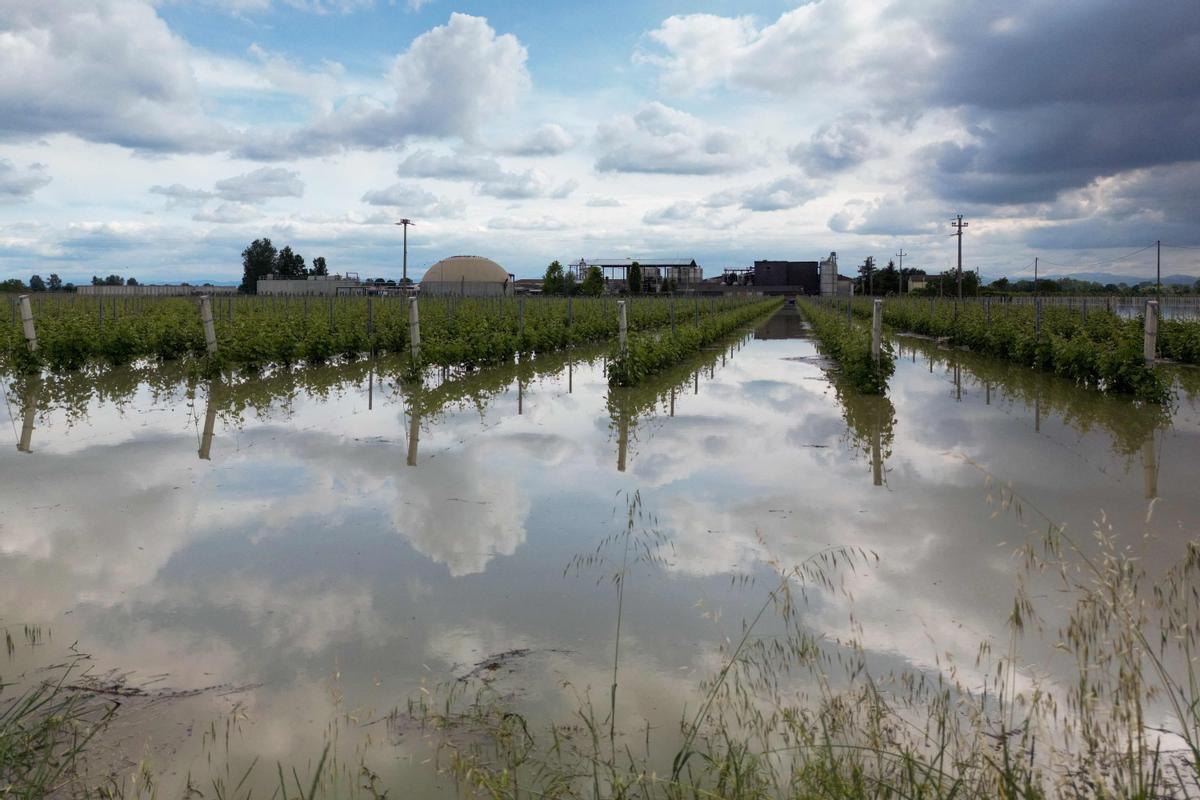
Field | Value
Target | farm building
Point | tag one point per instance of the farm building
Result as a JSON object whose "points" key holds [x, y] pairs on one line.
{"points": [[312, 285], [799, 276], [155, 290], [467, 276], [685, 274]]}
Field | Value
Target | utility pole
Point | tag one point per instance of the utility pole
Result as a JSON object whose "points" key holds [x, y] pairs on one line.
{"points": [[1035, 260], [958, 223], [404, 277], [1158, 268]]}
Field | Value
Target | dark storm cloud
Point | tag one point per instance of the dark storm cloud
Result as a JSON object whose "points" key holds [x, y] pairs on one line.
{"points": [[1056, 95]]}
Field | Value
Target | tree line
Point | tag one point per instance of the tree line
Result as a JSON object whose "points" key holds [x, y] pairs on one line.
{"points": [[261, 259], [56, 284], [872, 280]]}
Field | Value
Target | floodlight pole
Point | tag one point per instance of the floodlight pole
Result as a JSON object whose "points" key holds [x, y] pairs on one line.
{"points": [[405, 223]]}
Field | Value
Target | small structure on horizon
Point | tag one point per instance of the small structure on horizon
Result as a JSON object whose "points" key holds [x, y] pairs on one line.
{"points": [[683, 274], [311, 285], [829, 275]]}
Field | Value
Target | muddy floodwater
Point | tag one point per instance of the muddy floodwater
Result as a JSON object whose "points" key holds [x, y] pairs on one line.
{"points": [[293, 556]]}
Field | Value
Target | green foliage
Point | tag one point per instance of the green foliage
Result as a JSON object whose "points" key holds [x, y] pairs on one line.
{"points": [[319, 267], [289, 265], [55, 283], [36, 284], [257, 262], [635, 278], [646, 355], [593, 283], [850, 347], [12, 285], [256, 332], [552, 282], [1102, 351]]}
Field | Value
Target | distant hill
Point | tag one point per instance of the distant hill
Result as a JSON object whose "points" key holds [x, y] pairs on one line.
{"points": [[1105, 277]]}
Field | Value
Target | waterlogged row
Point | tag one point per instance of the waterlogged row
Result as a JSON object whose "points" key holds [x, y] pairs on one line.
{"points": [[849, 344], [1091, 346], [647, 354], [260, 331]]}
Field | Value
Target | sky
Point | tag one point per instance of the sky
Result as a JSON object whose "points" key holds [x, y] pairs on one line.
{"points": [[158, 138]]}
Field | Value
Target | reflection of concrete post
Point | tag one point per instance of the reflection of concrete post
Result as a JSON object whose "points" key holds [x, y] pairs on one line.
{"points": [[414, 328], [371, 388], [414, 432], [206, 318], [570, 377], [987, 393], [1150, 347], [672, 401], [876, 451], [697, 389], [1149, 468], [1037, 412], [210, 419], [958, 383], [520, 397], [27, 323], [27, 418], [622, 440]]}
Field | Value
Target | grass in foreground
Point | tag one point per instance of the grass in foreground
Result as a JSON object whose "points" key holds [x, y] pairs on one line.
{"points": [[1128, 726]]}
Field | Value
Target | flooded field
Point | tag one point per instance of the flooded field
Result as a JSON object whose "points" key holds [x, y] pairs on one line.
{"points": [[289, 559]]}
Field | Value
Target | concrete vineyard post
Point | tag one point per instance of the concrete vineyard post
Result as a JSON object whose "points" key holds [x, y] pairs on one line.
{"points": [[206, 318], [414, 328], [521, 323], [27, 323], [370, 323], [876, 330], [622, 331], [672, 315], [696, 300], [1151, 339], [570, 311], [987, 311], [1037, 319]]}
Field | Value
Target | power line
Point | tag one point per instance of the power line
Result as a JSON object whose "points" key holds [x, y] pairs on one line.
{"points": [[1099, 263]]}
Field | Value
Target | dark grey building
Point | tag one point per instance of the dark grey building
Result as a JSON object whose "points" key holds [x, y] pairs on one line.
{"points": [[802, 275]]}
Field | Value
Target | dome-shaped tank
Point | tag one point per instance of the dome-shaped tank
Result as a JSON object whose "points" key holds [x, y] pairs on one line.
{"points": [[467, 275]]}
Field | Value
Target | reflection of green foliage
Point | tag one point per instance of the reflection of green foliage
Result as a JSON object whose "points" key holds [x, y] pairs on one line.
{"points": [[273, 392], [627, 405], [867, 416], [1129, 422]]}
